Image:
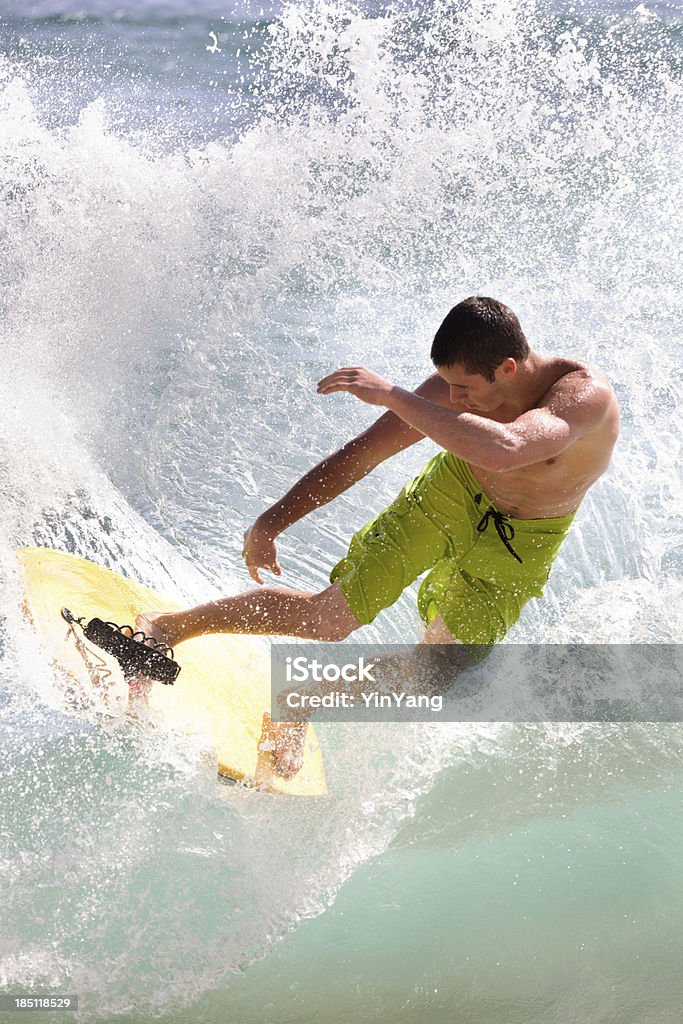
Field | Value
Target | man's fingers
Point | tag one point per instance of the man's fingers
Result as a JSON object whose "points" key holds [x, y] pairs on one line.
{"points": [[344, 369], [259, 553], [254, 570], [348, 374], [339, 375], [338, 385]]}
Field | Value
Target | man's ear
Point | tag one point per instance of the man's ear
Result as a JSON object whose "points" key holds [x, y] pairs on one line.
{"points": [[508, 368]]}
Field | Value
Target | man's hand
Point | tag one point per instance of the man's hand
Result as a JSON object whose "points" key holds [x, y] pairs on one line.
{"points": [[359, 382], [259, 551]]}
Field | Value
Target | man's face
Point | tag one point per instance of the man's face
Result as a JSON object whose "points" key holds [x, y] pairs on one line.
{"points": [[470, 392]]}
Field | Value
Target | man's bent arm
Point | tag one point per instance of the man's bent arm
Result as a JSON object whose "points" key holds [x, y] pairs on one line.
{"points": [[386, 437], [535, 435]]}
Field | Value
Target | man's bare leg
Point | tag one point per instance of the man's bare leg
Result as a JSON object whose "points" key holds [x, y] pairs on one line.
{"points": [[267, 611]]}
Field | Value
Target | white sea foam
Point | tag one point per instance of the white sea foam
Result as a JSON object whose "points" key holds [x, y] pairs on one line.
{"points": [[166, 313]]}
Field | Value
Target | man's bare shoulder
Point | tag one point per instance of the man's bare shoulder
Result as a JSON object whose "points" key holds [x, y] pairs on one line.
{"points": [[581, 391]]}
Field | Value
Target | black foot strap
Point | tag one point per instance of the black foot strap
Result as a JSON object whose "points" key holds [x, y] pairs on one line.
{"points": [[136, 653]]}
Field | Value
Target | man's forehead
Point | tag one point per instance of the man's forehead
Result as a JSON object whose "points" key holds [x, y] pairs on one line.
{"points": [[457, 374]]}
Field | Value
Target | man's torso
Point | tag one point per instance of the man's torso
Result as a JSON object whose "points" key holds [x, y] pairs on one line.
{"points": [[555, 486]]}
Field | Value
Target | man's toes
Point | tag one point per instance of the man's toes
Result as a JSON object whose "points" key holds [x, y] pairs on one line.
{"points": [[287, 764], [283, 745], [288, 756]]}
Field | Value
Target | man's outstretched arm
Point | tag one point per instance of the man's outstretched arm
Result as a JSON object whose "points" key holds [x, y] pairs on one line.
{"points": [[576, 407], [386, 437]]}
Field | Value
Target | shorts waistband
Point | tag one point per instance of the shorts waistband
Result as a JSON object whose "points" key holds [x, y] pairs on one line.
{"points": [[461, 469]]}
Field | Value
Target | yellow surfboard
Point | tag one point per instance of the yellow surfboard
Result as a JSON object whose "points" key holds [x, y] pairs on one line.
{"points": [[223, 687]]}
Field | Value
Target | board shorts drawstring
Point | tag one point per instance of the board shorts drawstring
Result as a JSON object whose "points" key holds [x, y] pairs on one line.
{"points": [[505, 529]]}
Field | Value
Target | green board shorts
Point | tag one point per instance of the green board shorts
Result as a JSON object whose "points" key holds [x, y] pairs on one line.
{"points": [[484, 565]]}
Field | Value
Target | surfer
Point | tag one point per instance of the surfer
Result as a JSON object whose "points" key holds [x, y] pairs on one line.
{"points": [[523, 438]]}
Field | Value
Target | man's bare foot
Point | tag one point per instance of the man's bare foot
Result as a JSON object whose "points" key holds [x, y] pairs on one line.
{"points": [[149, 623], [285, 741]]}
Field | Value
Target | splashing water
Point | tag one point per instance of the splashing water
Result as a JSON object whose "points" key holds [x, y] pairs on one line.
{"points": [[168, 302]]}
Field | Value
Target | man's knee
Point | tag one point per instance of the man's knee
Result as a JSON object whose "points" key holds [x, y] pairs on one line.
{"points": [[437, 632], [334, 619]]}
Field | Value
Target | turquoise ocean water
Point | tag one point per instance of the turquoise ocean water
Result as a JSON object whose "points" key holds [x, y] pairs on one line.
{"points": [[203, 208]]}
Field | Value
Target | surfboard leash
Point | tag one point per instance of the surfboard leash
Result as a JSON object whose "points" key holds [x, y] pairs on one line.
{"points": [[136, 653], [99, 669]]}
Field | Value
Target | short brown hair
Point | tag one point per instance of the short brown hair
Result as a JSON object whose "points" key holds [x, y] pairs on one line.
{"points": [[478, 334]]}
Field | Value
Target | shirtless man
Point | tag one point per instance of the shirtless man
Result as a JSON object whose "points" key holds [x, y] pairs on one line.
{"points": [[523, 435]]}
